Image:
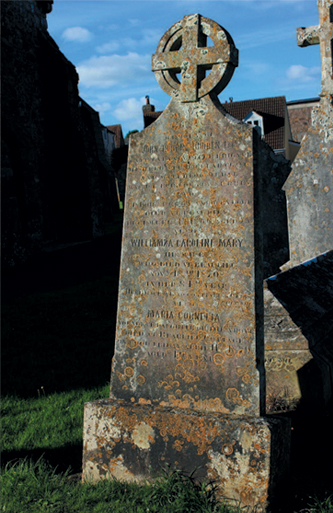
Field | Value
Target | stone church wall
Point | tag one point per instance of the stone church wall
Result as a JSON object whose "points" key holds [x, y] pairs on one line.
{"points": [[54, 180]]}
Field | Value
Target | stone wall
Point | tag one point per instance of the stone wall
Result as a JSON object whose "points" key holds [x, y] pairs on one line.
{"points": [[53, 178]]}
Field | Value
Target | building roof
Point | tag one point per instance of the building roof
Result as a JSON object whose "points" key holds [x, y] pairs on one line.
{"points": [[273, 110], [119, 138], [300, 116]]}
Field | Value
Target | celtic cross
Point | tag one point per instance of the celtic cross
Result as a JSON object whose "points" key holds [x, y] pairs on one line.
{"points": [[321, 34], [183, 50]]}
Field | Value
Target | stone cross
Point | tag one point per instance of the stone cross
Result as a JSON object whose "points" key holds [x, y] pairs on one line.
{"points": [[187, 381], [321, 34], [183, 49]]}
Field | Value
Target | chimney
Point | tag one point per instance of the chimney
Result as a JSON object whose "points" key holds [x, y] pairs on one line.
{"points": [[148, 108]]}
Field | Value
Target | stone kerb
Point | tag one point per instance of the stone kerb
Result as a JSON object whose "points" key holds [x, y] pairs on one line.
{"points": [[187, 382]]}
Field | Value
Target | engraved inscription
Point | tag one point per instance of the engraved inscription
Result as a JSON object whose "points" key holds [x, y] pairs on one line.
{"points": [[187, 275]]}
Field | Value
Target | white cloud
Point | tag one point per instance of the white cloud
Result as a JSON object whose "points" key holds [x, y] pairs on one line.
{"points": [[110, 47], [256, 68], [301, 74], [106, 71], [102, 107], [130, 109], [79, 34]]}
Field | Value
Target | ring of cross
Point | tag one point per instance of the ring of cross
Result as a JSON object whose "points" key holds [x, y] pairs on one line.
{"points": [[183, 50]]}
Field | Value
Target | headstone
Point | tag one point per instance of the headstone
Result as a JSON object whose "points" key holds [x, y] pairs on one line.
{"points": [[309, 186], [187, 382], [297, 357]]}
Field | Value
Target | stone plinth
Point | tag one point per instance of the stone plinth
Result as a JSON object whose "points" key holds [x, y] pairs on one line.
{"points": [[133, 442], [298, 336]]}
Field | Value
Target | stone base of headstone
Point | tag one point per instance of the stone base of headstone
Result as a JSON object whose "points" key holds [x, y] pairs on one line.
{"points": [[298, 337], [243, 455]]}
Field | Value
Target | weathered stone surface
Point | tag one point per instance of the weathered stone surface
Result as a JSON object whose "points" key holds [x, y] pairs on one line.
{"points": [[298, 336], [186, 333], [189, 340], [309, 186], [321, 34], [243, 454]]}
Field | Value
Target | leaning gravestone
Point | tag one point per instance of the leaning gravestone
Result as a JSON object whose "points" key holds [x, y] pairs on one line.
{"points": [[298, 331], [187, 383], [310, 185]]}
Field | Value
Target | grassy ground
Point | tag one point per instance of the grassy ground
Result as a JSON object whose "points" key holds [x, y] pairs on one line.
{"points": [[36, 487], [57, 342]]}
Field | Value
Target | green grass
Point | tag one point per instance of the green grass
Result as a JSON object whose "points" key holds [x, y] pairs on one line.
{"points": [[35, 487], [47, 422], [320, 506]]}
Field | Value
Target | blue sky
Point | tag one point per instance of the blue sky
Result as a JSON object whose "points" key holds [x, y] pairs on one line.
{"points": [[111, 42]]}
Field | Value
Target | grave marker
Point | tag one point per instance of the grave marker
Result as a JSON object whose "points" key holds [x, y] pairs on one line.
{"points": [[310, 184], [299, 357], [187, 382]]}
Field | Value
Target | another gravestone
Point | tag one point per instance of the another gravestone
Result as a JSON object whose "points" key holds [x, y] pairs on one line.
{"points": [[310, 185], [298, 333], [187, 383]]}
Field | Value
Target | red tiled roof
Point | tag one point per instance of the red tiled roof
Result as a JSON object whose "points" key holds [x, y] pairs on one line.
{"points": [[271, 109], [117, 130]]}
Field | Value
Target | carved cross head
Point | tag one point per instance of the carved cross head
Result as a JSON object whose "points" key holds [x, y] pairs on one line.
{"points": [[321, 34], [183, 50]]}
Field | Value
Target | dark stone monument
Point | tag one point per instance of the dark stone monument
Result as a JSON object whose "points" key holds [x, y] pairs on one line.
{"points": [[187, 382]]}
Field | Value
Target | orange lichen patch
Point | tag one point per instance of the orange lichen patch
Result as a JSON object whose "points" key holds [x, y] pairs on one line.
{"points": [[232, 394], [120, 376], [228, 448], [129, 371], [178, 445], [168, 383], [140, 380], [144, 363], [141, 400], [131, 343], [218, 359]]}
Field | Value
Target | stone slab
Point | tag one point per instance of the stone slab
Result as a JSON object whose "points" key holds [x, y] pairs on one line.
{"points": [[190, 279], [243, 455]]}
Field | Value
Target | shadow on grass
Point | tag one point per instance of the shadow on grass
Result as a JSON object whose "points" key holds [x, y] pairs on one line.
{"points": [[58, 319], [60, 458]]}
